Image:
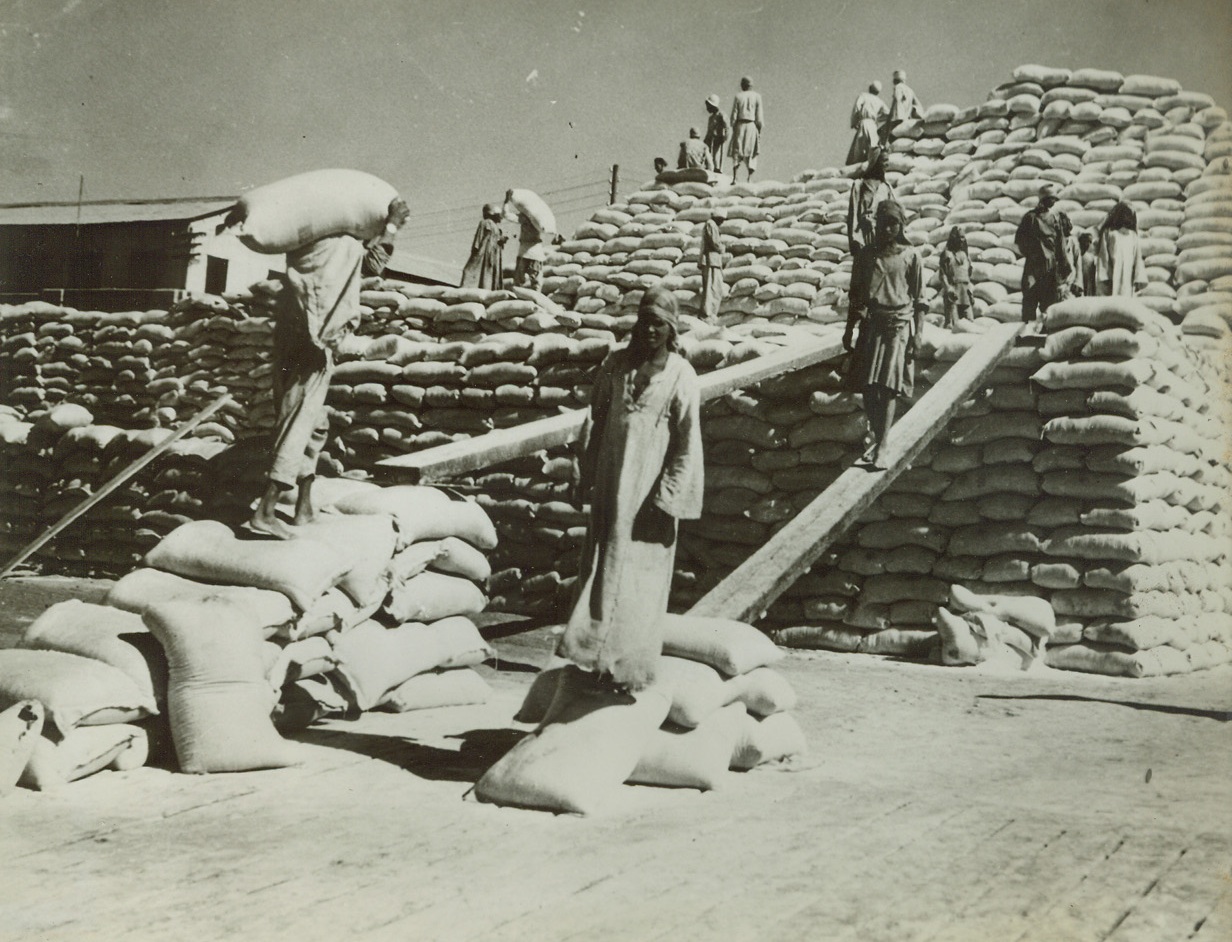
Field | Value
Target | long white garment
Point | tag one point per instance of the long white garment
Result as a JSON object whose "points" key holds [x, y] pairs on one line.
{"points": [[1119, 269]]}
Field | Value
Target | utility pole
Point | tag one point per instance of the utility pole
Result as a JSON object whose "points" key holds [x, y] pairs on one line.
{"points": [[615, 180]]}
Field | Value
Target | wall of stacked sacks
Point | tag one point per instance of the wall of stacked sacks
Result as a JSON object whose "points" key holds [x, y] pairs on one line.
{"points": [[431, 365], [86, 393], [1099, 135], [1092, 472]]}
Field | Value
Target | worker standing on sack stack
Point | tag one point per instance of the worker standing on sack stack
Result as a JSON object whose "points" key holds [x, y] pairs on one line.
{"points": [[869, 192], [888, 306], [954, 272], [319, 309], [694, 154], [537, 230], [641, 468], [1045, 264], [716, 132], [746, 124], [712, 264], [485, 267], [866, 116], [904, 105]]}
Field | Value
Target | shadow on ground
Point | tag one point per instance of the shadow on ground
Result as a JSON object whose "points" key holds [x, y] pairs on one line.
{"points": [[1222, 715], [480, 749]]}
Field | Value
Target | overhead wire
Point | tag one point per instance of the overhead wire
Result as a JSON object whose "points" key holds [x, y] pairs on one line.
{"points": [[463, 222], [586, 181]]}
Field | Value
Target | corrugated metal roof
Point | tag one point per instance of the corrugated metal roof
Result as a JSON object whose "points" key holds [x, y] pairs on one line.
{"points": [[65, 214]]}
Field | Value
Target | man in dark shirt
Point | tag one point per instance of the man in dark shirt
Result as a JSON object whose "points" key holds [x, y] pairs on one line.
{"points": [[1045, 265]]}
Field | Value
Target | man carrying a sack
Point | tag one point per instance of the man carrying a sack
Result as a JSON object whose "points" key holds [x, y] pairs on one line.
{"points": [[319, 309]]}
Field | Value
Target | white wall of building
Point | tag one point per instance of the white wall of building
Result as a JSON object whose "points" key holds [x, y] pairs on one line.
{"points": [[244, 266]]}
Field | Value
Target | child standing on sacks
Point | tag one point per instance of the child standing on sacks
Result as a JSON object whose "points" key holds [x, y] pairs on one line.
{"points": [[955, 273]]}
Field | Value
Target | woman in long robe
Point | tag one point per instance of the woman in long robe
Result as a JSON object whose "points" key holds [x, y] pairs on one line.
{"points": [[642, 466], [484, 268], [1119, 268]]}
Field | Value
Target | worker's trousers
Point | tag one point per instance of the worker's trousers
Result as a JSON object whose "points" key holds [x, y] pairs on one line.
{"points": [[302, 372]]}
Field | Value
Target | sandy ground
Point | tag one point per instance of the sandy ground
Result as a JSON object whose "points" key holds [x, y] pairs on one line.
{"points": [[935, 804]]}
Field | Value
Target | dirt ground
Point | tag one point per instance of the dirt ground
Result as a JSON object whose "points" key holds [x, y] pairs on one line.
{"points": [[935, 804]]}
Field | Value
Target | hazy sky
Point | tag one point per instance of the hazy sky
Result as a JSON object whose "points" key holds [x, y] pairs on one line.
{"points": [[454, 102]]}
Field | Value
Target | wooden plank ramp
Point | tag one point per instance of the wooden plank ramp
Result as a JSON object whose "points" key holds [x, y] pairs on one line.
{"points": [[445, 461], [754, 585]]}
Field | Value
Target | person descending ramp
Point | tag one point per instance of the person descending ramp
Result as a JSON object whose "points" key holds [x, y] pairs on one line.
{"points": [[754, 585]]}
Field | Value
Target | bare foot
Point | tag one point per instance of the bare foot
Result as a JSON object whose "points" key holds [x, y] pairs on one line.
{"points": [[269, 527]]}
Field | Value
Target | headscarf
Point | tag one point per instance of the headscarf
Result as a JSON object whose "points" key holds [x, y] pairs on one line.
{"points": [[1048, 191], [660, 302], [892, 210]]}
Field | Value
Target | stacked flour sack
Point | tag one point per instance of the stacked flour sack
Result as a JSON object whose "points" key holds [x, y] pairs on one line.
{"points": [[206, 346], [785, 241], [962, 511], [1098, 135], [1137, 467], [76, 696], [714, 706], [62, 456], [1205, 249], [770, 449], [232, 640], [143, 367]]}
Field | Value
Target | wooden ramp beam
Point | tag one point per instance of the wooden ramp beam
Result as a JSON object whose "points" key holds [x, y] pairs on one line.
{"points": [[482, 451], [749, 591], [133, 467]]}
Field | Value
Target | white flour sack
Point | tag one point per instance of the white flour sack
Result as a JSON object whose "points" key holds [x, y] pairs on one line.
{"points": [[301, 569], [218, 698], [93, 631], [293, 212], [530, 204], [692, 758], [589, 745], [20, 726], [84, 751]]}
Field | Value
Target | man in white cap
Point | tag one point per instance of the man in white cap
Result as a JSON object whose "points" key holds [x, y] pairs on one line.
{"points": [[1045, 265], [716, 132], [694, 154], [711, 260], [904, 104], [746, 122], [866, 116]]}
